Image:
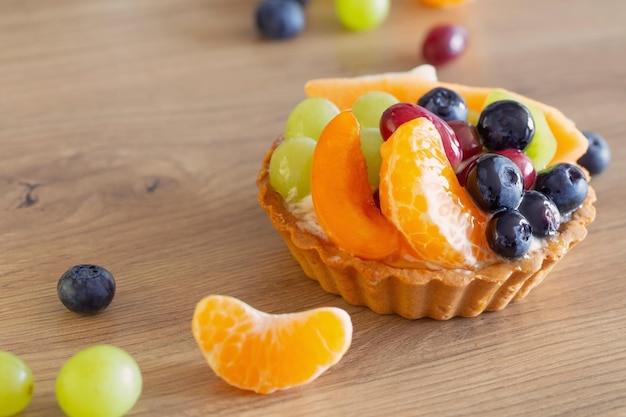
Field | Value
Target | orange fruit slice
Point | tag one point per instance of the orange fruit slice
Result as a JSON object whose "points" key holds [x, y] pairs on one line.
{"points": [[342, 196], [421, 196], [409, 86], [263, 352]]}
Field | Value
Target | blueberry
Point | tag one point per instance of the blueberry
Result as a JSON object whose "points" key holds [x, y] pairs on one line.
{"points": [[86, 289], [598, 155], [509, 234], [541, 212], [505, 124], [495, 183], [280, 19], [445, 103], [565, 184]]}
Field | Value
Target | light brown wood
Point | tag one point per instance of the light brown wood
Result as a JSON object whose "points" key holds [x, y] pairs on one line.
{"points": [[130, 136]]}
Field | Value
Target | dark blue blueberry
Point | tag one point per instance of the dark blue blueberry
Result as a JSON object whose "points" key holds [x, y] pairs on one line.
{"points": [[542, 214], [505, 124], [509, 234], [86, 289], [280, 19], [565, 184], [495, 183], [598, 155], [445, 103]]}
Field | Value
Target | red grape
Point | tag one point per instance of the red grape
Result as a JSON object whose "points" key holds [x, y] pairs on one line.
{"points": [[468, 137], [401, 113], [444, 43]]}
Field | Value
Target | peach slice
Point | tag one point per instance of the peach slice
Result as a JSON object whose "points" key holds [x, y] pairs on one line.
{"points": [[342, 196]]}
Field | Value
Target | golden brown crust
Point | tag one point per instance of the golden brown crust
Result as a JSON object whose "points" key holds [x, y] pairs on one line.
{"points": [[415, 292]]}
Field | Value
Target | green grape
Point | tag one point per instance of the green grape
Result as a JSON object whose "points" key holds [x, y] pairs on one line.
{"points": [[100, 381], [362, 14], [370, 106], [290, 168], [309, 118], [16, 384], [371, 140]]}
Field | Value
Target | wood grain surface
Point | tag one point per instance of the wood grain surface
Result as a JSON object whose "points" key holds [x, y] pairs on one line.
{"points": [[131, 133]]}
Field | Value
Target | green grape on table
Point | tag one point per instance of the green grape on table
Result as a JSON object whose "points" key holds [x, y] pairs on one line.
{"points": [[310, 117], [290, 168], [99, 381], [370, 106], [371, 140], [16, 384], [358, 15]]}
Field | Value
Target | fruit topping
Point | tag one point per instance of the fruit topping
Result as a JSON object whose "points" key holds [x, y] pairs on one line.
{"points": [[509, 234], [467, 135], [495, 183], [598, 155], [542, 147], [342, 195], [99, 381], [523, 162], [290, 168], [370, 145], [86, 289], [401, 113], [565, 184], [279, 19], [16, 384], [309, 118], [359, 15], [370, 106], [443, 3], [445, 103], [541, 213], [444, 43], [264, 352], [420, 195], [505, 124]]}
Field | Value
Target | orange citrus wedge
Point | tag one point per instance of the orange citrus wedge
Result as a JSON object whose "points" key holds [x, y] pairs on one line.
{"points": [[409, 86], [264, 352], [421, 196], [342, 196]]}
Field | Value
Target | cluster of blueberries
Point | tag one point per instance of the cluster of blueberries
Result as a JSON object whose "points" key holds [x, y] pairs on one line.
{"points": [[522, 204]]}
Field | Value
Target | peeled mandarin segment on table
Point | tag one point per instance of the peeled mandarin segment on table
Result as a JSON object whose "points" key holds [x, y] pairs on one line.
{"points": [[409, 86], [263, 352], [342, 195], [420, 194]]}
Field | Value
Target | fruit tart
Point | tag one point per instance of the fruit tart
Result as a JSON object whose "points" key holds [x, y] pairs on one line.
{"points": [[423, 198]]}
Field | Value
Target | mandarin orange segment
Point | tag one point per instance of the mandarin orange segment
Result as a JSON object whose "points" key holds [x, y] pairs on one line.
{"points": [[411, 85], [263, 352], [342, 196], [420, 194]]}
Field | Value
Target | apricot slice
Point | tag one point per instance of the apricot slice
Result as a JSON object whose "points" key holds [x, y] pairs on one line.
{"points": [[342, 196], [411, 85], [421, 196]]}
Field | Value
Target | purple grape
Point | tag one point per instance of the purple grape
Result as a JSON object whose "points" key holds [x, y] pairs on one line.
{"points": [[86, 289], [444, 43], [467, 135]]}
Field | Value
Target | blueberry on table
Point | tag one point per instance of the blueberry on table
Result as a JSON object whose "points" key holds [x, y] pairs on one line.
{"points": [[495, 183], [509, 234], [86, 289], [445, 103], [598, 155], [565, 184], [506, 124], [279, 19]]}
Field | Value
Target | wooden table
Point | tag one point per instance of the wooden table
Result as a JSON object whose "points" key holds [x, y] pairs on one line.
{"points": [[131, 133]]}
